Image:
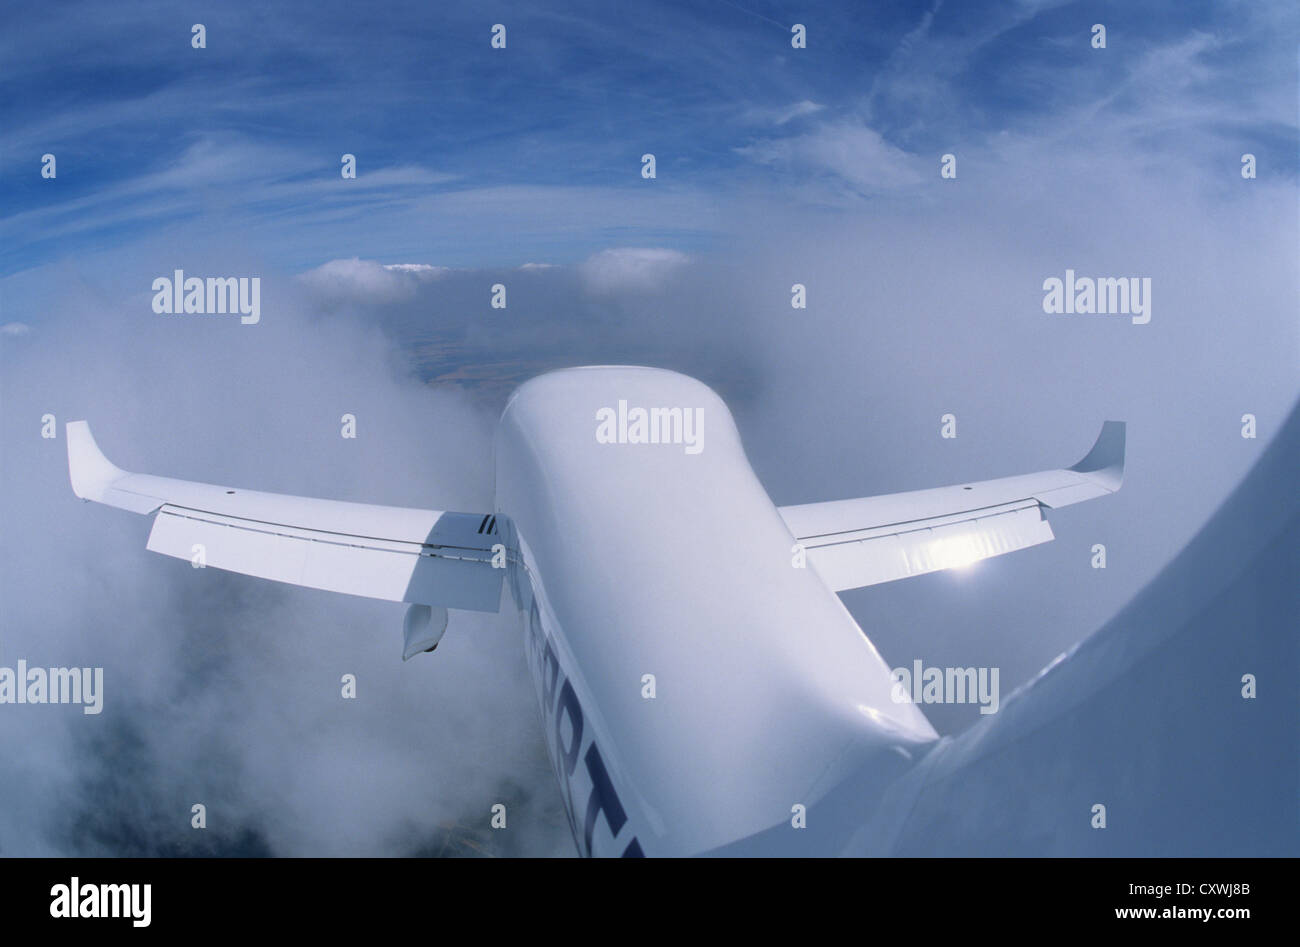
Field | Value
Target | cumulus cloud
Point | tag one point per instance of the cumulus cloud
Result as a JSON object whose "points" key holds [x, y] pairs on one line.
{"points": [[630, 268], [369, 281], [422, 270], [15, 329]]}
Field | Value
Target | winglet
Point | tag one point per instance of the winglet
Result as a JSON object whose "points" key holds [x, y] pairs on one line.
{"points": [[93, 475], [90, 471], [1105, 462]]}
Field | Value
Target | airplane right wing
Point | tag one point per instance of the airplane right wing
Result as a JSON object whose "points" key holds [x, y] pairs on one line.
{"points": [[855, 543]]}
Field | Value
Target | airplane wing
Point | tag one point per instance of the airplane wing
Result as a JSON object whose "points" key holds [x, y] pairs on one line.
{"points": [[425, 557], [855, 543], [1149, 719]]}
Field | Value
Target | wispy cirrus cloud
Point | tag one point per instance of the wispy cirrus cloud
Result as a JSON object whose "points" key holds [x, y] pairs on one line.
{"points": [[781, 115], [850, 153]]}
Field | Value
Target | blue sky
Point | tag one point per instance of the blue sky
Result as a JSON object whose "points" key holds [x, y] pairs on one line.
{"points": [[462, 148]]}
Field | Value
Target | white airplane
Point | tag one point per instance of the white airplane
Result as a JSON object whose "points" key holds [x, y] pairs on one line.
{"points": [[640, 551]]}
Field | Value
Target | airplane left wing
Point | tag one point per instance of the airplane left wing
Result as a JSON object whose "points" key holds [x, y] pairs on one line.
{"points": [[425, 557], [855, 543]]}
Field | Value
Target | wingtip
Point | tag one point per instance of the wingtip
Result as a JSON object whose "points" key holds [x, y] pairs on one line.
{"points": [[1105, 461], [89, 470]]}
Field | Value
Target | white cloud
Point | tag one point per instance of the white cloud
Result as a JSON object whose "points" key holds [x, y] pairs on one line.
{"points": [[855, 154], [14, 329], [630, 268], [780, 116], [369, 280], [423, 270], [798, 110]]}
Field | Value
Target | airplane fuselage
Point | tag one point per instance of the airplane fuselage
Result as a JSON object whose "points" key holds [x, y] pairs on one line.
{"points": [[700, 692]]}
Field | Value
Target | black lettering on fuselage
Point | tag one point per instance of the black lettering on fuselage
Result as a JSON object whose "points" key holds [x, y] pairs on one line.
{"points": [[560, 704], [568, 706], [603, 798]]}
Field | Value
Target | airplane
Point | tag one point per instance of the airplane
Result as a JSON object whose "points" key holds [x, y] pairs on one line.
{"points": [[703, 689]]}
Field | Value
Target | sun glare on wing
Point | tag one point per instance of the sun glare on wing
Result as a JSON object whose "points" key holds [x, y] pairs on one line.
{"points": [[956, 552]]}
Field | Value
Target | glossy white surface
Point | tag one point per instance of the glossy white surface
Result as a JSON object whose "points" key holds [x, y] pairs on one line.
{"points": [[651, 560]]}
